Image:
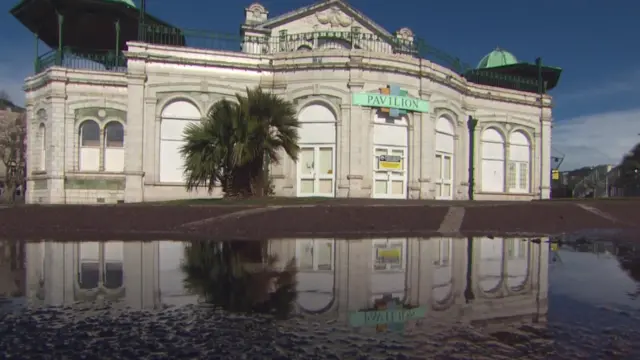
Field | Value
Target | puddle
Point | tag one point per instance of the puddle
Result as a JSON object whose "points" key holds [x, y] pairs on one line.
{"points": [[388, 298]]}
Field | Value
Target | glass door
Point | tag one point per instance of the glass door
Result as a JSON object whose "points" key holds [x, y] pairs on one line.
{"points": [[316, 174], [444, 176], [389, 174]]}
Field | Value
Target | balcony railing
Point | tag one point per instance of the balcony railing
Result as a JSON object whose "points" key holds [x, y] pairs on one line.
{"points": [[108, 60]]}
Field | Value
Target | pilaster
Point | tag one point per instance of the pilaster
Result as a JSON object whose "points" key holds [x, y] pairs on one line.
{"points": [[151, 152], [359, 141], [342, 151], [134, 134], [545, 158], [428, 151], [414, 151], [57, 146]]}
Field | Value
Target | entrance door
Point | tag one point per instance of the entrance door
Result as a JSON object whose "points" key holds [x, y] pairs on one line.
{"points": [[389, 173], [316, 174], [444, 176]]}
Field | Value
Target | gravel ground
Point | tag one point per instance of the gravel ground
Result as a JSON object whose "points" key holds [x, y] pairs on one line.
{"points": [[193, 332]]}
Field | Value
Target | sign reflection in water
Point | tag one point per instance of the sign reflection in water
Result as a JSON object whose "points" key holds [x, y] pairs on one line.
{"points": [[336, 279]]}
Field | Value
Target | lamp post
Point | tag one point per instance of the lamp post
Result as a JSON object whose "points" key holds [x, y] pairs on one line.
{"points": [[471, 125]]}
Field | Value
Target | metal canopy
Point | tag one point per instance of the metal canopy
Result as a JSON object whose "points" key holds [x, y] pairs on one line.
{"points": [[550, 75], [88, 25]]}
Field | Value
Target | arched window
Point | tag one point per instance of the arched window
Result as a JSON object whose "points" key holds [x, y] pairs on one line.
{"points": [[42, 147], [389, 275], [100, 265], [443, 269], [444, 158], [490, 267], [316, 274], [519, 170], [304, 48], [517, 262], [316, 171], [492, 151], [175, 118], [114, 147], [89, 154]]}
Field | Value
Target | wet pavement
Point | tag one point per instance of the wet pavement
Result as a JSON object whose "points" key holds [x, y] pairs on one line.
{"points": [[387, 298]]}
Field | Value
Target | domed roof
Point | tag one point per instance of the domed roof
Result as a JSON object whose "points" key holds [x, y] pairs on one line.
{"points": [[496, 58]]}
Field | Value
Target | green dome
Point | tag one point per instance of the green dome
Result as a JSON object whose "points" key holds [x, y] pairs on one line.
{"points": [[496, 58]]}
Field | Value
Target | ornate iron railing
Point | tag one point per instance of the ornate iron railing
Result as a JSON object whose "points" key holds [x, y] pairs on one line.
{"points": [[283, 42], [106, 60]]}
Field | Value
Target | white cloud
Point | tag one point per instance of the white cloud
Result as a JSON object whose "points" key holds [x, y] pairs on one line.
{"points": [[626, 82], [596, 139]]}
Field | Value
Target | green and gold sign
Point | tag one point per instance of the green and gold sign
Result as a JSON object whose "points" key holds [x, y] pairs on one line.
{"points": [[391, 100]]}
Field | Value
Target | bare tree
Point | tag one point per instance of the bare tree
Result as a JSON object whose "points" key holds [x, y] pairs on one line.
{"points": [[5, 96], [13, 151]]}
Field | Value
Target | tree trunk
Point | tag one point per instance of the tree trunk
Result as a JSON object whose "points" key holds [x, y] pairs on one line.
{"points": [[9, 195]]}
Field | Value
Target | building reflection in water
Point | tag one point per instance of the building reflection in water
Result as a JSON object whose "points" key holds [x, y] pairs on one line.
{"points": [[12, 260], [336, 279]]}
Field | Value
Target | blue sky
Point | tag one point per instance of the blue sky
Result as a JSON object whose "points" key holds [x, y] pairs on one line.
{"points": [[596, 117]]}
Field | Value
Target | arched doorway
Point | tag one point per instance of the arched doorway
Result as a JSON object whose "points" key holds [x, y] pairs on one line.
{"points": [[444, 159], [492, 161], [316, 172], [175, 118]]}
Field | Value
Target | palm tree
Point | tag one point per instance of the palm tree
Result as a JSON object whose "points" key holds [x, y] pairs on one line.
{"points": [[237, 142], [232, 276]]}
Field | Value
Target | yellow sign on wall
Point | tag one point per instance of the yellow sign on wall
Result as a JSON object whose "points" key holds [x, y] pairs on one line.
{"points": [[390, 162], [391, 255], [555, 175]]}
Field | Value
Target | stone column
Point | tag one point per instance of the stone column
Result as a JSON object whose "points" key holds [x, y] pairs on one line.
{"points": [[59, 275], [141, 274], [343, 151], [57, 145], [428, 150], [359, 142], [507, 156], [545, 158], [414, 152], [134, 133], [536, 164], [463, 180], [150, 152]]}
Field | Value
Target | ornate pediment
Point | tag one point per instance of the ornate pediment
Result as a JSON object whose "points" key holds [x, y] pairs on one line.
{"points": [[333, 15]]}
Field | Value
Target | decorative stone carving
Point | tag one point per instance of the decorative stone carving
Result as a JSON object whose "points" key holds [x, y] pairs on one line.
{"points": [[100, 113], [255, 14], [334, 17], [405, 34]]}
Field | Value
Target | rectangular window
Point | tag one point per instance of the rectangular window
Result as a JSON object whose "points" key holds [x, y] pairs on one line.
{"points": [[524, 176], [315, 254], [388, 255], [511, 175]]}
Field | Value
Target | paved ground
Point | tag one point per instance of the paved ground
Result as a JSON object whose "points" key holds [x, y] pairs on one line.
{"points": [[356, 218]]}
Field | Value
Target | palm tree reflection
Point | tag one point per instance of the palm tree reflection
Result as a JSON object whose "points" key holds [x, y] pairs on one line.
{"points": [[240, 277]]}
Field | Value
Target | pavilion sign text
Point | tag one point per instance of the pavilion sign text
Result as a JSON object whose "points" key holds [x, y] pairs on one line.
{"points": [[391, 102]]}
